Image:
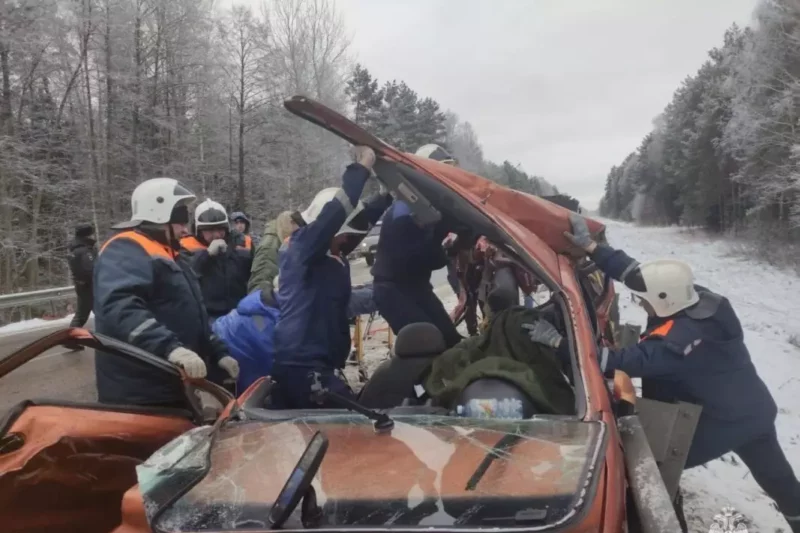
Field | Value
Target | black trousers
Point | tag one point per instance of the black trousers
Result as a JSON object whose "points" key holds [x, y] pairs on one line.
{"points": [[85, 303], [401, 304], [773, 473]]}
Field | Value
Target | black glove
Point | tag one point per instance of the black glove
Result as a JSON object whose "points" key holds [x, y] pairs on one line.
{"points": [[218, 347]]}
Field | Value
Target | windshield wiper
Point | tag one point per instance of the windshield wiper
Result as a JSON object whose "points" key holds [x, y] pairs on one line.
{"points": [[506, 442], [380, 421]]}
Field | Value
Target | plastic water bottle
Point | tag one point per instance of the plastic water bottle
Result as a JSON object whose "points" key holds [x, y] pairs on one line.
{"points": [[510, 408]]}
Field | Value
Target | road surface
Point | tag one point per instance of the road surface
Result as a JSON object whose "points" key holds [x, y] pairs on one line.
{"points": [[63, 375]]}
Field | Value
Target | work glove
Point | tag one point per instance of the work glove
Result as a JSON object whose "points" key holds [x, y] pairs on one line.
{"points": [[191, 363], [217, 246], [580, 235], [543, 332], [230, 365], [364, 156]]}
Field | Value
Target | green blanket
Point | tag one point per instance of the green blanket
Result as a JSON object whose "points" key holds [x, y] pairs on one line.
{"points": [[503, 351]]}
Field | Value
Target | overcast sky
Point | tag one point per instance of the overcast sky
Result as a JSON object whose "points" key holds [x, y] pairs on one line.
{"points": [[567, 88]]}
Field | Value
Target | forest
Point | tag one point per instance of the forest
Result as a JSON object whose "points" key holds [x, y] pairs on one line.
{"points": [[724, 154], [99, 95]]}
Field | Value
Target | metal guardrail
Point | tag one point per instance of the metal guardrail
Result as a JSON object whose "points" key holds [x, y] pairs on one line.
{"points": [[32, 297]]}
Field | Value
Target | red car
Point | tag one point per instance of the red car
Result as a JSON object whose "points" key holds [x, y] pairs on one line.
{"points": [[98, 468]]}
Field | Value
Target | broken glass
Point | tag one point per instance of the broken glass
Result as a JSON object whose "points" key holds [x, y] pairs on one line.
{"points": [[421, 474]]}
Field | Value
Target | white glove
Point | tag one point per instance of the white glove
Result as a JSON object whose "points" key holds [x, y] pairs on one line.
{"points": [[191, 363], [217, 246], [543, 332], [363, 155], [230, 365]]}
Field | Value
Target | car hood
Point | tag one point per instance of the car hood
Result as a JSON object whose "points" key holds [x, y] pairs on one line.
{"points": [[427, 472]]}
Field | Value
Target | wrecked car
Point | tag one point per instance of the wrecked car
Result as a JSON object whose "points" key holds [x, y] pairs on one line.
{"points": [[387, 461]]}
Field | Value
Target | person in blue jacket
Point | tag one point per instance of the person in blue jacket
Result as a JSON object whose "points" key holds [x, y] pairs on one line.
{"points": [[406, 256], [313, 331], [147, 295], [248, 332], [693, 350]]}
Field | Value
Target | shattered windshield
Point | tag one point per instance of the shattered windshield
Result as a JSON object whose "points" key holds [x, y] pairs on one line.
{"points": [[430, 471]]}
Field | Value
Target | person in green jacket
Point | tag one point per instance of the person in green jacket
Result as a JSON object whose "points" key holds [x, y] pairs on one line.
{"points": [[265, 261]]}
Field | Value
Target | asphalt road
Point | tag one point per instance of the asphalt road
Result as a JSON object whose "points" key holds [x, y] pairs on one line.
{"points": [[63, 375]]}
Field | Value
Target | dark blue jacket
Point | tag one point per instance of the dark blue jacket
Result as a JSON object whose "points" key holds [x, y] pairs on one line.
{"points": [[314, 288], [697, 360], [145, 294], [248, 332], [407, 253], [223, 278]]}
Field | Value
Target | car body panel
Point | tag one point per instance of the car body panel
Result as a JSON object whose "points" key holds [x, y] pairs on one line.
{"points": [[86, 456], [78, 457], [535, 223]]}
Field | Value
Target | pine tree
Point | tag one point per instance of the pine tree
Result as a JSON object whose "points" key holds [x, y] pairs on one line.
{"points": [[365, 96]]}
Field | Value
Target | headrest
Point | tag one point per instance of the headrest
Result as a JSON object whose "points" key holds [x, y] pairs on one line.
{"points": [[420, 339], [505, 291], [506, 393]]}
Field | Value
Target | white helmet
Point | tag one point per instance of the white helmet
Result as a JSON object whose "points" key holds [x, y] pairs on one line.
{"points": [[437, 153], [154, 200], [323, 197], [210, 214], [669, 286]]}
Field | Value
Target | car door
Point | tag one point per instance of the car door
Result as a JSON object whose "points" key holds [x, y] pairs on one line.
{"points": [[64, 464]]}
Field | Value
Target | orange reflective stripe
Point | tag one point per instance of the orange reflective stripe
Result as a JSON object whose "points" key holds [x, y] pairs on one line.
{"points": [[248, 243], [660, 331], [153, 248], [192, 244]]}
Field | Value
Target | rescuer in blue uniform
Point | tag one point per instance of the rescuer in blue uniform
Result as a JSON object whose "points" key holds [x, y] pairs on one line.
{"points": [[147, 295], [406, 257], [219, 258], [693, 351], [313, 331]]}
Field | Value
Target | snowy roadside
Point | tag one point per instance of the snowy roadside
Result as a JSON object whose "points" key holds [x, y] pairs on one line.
{"points": [[765, 300], [37, 323]]}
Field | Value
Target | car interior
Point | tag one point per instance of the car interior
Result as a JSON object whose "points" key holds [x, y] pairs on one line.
{"points": [[395, 384]]}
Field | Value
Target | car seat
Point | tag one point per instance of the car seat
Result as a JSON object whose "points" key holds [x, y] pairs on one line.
{"points": [[504, 290], [394, 380]]}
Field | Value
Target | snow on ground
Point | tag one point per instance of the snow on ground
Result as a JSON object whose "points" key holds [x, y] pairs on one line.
{"points": [[35, 323], [765, 299]]}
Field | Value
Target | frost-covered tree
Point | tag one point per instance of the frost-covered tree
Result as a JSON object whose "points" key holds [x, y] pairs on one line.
{"points": [[724, 153], [98, 95]]}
